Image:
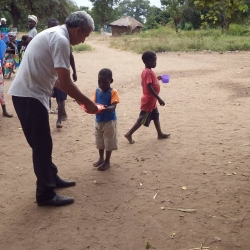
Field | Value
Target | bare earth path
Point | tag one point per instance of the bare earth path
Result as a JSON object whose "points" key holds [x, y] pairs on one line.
{"points": [[204, 166]]}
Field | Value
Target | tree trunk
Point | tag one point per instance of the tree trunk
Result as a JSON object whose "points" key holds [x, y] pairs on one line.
{"points": [[137, 14], [176, 22], [15, 21], [225, 23], [15, 13]]}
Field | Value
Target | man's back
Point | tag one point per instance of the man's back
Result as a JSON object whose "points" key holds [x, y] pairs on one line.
{"points": [[37, 75]]}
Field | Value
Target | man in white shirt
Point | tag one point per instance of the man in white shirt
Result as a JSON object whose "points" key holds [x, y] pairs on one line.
{"points": [[47, 59]]}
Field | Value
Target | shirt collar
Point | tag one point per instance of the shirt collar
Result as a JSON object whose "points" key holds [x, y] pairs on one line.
{"points": [[65, 30]]}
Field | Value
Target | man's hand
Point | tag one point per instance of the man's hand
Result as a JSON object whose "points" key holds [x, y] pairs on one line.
{"points": [[159, 77], [91, 107], [66, 85]]}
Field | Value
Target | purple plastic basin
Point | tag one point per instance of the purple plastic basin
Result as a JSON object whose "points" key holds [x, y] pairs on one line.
{"points": [[165, 78]]}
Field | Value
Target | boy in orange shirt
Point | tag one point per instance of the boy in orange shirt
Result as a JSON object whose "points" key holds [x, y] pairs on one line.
{"points": [[151, 90]]}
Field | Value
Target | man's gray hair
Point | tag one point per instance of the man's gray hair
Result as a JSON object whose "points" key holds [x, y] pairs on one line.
{"points": [[80, 19]]}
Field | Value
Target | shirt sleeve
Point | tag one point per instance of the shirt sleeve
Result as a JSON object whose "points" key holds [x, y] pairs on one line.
{"points": [[94, 97], [60, 53], [148, 77], [32, 33], [114, 97]]}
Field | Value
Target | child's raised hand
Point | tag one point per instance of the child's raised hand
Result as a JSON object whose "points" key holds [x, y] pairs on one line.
{"points": [[159, 77]]}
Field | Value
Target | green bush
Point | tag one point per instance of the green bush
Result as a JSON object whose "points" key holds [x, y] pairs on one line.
{"points": [[82, 47], [237, 30], [188, 26], [165, 39]]}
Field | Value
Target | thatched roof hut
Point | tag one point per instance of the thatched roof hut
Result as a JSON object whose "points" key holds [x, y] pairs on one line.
{"points": [[127, 25]]}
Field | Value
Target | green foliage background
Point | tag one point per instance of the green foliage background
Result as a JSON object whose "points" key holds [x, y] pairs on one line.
{"points": [[16, 12]]}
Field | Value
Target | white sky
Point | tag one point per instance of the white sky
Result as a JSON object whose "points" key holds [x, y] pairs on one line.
{"points": [[87, 3]]}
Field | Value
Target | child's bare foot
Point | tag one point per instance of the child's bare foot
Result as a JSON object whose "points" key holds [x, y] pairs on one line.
{"points": [[129, 138], [103, 167], [163, 136], [59, 125], [99, 162], [6, 114]]}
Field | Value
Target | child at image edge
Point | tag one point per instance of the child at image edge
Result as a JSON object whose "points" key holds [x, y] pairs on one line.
{"points": [[106, 120], [151, 90]]}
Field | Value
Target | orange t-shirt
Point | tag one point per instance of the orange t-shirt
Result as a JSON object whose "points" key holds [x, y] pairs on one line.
{"points": [[114, 97], [148, 101]]}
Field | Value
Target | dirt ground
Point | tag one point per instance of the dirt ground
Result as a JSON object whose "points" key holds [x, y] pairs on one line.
{"points": [[204, 166]]}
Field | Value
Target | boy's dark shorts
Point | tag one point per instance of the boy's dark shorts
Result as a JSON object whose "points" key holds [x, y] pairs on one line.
{"points": [[146, 117], [59, 95]]}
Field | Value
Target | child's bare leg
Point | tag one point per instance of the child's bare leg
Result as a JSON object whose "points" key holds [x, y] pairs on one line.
{"points": [[65, 116], [5, 113], [129, 134], [101, 158], [161, 135], [106, 164], [61, 105]]}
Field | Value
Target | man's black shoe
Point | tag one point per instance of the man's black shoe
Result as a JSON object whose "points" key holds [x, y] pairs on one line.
{"points": [[58, 200], [60, 183]]}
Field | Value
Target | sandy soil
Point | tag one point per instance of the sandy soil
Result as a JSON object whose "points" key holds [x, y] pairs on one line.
{"points": [[203, 166]]}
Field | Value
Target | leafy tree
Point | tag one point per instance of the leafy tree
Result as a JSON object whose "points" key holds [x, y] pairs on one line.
{"points": [[243, 17], [14, 8], [138, 9], [43, 9], [223, 11], [85, 9], [103, 11], [191, 15], [175, 8], [51, 8], [156, 17]]}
